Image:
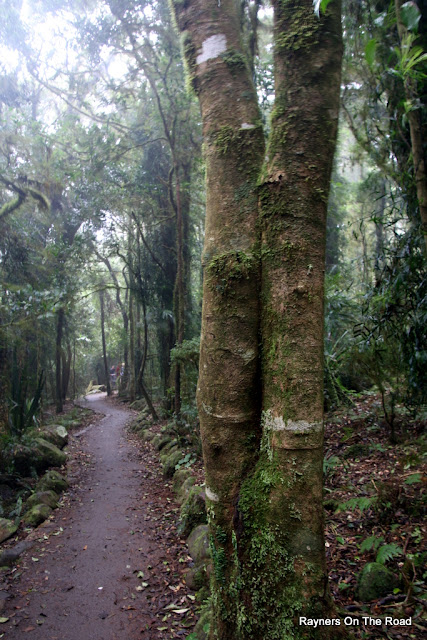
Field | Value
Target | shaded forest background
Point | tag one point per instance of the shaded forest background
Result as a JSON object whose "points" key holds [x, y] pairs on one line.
{"points": [[103, 202]]}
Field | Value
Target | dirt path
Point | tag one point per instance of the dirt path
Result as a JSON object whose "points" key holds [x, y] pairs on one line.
{"points": [[82, 579]]}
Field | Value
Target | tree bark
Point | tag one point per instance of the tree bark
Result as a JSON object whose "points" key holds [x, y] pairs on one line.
{"points": [[263, 451], [282, 501], [131, 379], [416, 131], [104, 346], [60, 316], [227, 396]]}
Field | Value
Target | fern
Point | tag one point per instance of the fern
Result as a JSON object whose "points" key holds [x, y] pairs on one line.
{"points": [[371, 544], [357, 503], [388, 552]]}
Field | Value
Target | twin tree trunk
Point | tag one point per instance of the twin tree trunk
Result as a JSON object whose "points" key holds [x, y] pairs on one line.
{"points": [[260, 392]]}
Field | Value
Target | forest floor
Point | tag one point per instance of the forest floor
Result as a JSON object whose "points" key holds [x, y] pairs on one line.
{"points": [[110, 565], [375, 498]]}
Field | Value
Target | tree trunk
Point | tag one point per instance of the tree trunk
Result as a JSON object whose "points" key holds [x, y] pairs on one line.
{"points": [[416, 130], [282, 501], [263, 452], [131, 379], [60, 316], [104, 346], [179, 297], [227, 396], [66, 370]]}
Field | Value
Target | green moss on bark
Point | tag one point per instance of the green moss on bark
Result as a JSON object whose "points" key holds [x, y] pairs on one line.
{"points": [[226, 269]]}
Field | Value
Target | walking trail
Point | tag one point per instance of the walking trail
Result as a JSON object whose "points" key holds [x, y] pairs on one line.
{"points": [[106, 567]]}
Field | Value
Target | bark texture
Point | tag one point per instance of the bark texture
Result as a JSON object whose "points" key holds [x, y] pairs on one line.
{"points": [[264, 259], [281, 502], [234, 148]]}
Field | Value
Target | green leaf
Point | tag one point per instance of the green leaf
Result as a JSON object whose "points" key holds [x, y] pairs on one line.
{"points": [[387, 552], [371, 543], [414, 478], [410, 15], [370, 50]]}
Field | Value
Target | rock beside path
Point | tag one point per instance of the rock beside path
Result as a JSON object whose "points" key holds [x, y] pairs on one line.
{"points": [[7, 529]]}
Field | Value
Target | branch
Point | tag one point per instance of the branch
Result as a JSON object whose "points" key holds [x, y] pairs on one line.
{"points": [[156, 261]]}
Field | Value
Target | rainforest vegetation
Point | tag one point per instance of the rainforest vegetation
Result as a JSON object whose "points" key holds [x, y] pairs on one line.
{"points": [[266, 160]]}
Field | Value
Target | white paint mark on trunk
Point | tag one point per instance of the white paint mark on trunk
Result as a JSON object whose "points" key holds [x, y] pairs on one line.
{"points": [[213, 497], [212, 47]]}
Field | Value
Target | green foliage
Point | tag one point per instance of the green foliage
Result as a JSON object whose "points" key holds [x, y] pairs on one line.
{"points": [[388, 552], [371, 544], [186, 353]]}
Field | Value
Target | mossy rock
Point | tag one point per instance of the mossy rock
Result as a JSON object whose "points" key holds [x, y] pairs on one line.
{"points": [[7, 528], [52, 481], [47, 455], [170, 445], [162, 442], [164, 455], [357, 451], [198, 544], [186, 488], [38, 514], [55, 434], [50, 498], [147, 436], [375, 581], [170, 462], [193, 511], [197, 577], [179, 478], [201, 630], [23, 458]]}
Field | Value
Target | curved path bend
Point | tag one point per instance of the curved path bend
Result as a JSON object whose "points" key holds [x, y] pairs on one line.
{"points": [[82, 579]]}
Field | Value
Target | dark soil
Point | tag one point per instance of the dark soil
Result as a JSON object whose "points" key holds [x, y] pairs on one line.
{"points": [[109, 563]]}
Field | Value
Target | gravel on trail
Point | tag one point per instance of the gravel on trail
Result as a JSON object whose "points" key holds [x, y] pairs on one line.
{"points": [[109, 564]]}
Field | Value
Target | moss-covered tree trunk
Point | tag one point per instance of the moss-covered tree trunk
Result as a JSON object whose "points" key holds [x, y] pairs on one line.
{"points": [[261, 411], [281, 502], [234, 149]]}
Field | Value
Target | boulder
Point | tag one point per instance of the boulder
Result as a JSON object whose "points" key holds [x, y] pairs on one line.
{"points": [[201, 630], [170, 462], [161, 440], [169, 446], [186, 488], [50, 498], [47, 455], [164, 455], [375, 581], [23, 458], [197, 577], [193, 511], [38, 514], [52, 481], [148, 436], [179, 478], [7, 528], [198, 544], [55, 434]]}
